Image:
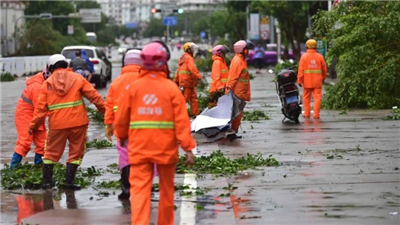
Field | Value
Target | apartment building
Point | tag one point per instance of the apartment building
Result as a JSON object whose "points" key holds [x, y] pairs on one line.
{"points": [[11, 13]]}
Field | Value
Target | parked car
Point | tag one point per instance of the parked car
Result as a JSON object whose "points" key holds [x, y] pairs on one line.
{"points": [[270, 55], [94, 53]]}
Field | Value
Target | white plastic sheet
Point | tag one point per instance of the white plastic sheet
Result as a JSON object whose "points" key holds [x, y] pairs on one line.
{"points": [[218, 116]]}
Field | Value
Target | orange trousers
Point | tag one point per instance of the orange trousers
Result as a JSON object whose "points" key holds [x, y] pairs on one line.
{"points": [[191, 97], [24, 140], [141, 180], [317, 95], [236, 122], [56, 140]]}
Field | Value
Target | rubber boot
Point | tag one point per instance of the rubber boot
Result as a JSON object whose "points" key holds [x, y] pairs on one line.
{"points": [[125, 186], [47, 176], [15, 160], [71, 200], [38, 159], [233, 137], [70, 177]]}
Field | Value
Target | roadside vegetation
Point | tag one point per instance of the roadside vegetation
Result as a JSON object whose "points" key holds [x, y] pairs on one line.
{"points": [[363, 36], [7, 77], [395, 115]]}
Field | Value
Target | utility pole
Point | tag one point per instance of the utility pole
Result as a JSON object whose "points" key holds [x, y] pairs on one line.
{"points": [[272, 39], [278, 46]]}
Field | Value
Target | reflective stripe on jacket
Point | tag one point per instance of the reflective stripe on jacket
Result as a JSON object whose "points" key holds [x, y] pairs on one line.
{"points": [[28, 100], [187, 74], [312, 69], [61, 97], [219, 74], [152, 114], [239, 78], [128, 74]]}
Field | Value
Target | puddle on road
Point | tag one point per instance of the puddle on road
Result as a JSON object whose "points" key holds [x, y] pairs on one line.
{"points": [[17, 205]]}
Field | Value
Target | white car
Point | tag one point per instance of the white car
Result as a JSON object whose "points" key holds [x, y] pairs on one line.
{"points": [[96, 57]]}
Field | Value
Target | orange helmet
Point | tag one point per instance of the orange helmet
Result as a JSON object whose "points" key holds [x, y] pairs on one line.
{"points": [[311, 43]]}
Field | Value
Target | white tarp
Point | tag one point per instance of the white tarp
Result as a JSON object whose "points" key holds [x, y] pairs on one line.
{"points": [[219, 116]]}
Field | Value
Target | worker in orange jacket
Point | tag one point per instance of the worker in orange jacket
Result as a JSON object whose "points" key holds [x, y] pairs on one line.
{"points": [[61, 98], [129, 73], [239, 78], [311, 75], [23, 115], [152, 115], [187, 77], [219, 74]]}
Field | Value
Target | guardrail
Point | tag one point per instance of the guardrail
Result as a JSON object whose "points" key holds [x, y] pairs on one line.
{"points": [[23, 66]]}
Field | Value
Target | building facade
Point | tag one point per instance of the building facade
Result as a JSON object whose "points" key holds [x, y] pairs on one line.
{"points": [[201, 5], [11, 12], [139, 11]]}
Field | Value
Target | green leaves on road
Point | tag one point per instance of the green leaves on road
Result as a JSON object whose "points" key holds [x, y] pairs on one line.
{"points": [[95, 115], [99, 144], [29, 176], [395, 115], [218, 164], [255, 116]]}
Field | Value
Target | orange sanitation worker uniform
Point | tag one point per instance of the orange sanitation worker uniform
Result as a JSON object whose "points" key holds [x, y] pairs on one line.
{"points": [[311, 74], [61, 98], [219, 74], [239, 84], [152, 115], [23, 116], [128, 74], [187, 77]]}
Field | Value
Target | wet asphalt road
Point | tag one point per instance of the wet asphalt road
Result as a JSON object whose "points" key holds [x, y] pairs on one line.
{"points": [[341, 169]]}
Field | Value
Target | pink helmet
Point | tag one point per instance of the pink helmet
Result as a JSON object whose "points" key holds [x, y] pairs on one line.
{"points": [[239, 46], [132, 57], [154, 56], [220, 48]]}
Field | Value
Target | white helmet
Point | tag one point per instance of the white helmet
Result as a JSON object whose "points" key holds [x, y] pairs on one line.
{"points": [[132, 57], [53, 60]]}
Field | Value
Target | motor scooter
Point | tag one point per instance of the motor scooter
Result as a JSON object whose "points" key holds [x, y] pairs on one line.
{"points": [[288, 94]]}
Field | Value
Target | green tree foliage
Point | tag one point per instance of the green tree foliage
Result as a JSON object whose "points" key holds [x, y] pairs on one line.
{"points": [[364, 36], [236, 20], [155, 28], [55, 8], [41, 39]]}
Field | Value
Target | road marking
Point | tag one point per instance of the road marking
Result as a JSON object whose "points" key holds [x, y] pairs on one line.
{"points": [[188, 204]]}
